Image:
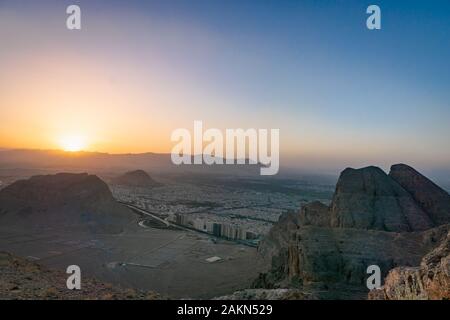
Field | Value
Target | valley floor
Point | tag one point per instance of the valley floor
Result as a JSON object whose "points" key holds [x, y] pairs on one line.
{"points": [[170, 262]]}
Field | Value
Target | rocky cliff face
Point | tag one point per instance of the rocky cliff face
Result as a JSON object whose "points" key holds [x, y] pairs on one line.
{"points": [[369, 199], [372, 219], [430, 197], [315, 214], [431, 280], [62, 200]]}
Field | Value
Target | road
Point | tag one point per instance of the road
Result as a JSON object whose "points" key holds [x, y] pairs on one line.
{"points": [[167, 223]]}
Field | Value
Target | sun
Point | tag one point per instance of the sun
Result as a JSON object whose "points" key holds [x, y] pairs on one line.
{"points": [[73, 143]]}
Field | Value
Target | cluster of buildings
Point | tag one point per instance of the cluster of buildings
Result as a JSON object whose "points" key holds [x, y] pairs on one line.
{"points": [[230, 231], [235, 212]]}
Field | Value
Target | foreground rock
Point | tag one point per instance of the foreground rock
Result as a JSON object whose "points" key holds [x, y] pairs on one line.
{"points": [[23, 279], [269, 294], [431, 280], [372, 219]]}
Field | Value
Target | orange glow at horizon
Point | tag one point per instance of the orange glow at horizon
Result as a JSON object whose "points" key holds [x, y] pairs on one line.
{"points": [[73, 105]]}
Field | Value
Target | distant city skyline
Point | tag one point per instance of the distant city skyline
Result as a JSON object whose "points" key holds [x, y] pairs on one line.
{"points": [[340, 94]]}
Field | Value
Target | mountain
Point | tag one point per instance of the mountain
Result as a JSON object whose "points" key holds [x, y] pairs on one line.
{"points": [[369, 199], [136, 178], [372, 219], [63, 200]]}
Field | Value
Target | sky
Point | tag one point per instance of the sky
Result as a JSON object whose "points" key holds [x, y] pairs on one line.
{"points": [[341, 95]]}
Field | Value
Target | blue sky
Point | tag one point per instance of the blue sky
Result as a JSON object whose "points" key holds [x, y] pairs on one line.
{"points": [[341, 95]]}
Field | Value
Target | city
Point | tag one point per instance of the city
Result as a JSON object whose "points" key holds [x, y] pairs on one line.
{"points": [[223, 208]]}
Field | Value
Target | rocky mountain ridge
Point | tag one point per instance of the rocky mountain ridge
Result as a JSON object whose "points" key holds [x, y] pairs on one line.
{"points": [[372, 219]]}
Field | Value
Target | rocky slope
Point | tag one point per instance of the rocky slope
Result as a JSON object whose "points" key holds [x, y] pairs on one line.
{"points": [[268, 294], [431, 280], [23, 279], [372, 219], [136, 178], [62, 200]]}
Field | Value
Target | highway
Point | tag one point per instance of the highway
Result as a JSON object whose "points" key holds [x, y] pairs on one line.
{"points": [[167, 223]]}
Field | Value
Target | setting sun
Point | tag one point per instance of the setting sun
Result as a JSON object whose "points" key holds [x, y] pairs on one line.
{"points": [[73, 143]]}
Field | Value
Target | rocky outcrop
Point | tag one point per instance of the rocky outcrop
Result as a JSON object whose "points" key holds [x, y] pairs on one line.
{"points": [[315, 214], [431, 280], [430, 197], [279, 235], [333, 256], [62, 200], [136, 178], [369, 199], [372, 219]]}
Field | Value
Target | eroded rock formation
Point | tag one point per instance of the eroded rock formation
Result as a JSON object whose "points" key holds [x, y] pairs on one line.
{"points": [[431, 280], [433, 199], [374, 218]]}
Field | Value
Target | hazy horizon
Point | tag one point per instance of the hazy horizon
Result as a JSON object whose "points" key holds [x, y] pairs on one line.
{"points": [[441, 176]]}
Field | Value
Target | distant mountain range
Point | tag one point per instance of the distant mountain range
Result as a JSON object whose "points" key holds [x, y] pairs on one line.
{"points": [[103, 162]]}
